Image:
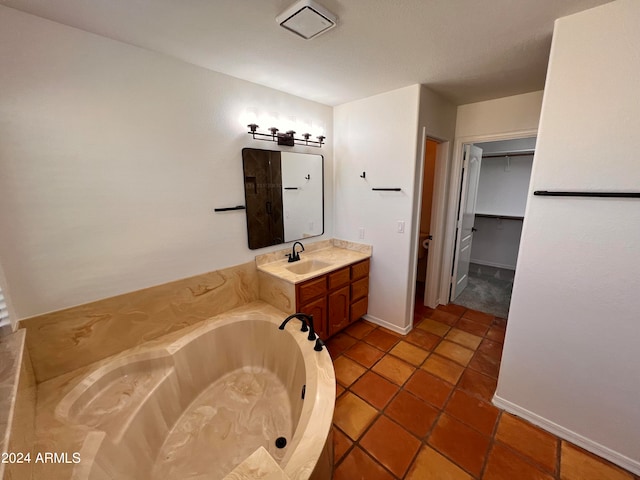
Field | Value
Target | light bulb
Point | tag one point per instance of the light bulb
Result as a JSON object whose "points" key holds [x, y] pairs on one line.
{"points": [[272, 119], [304, 126], [288, 123], [249, 116], [317, 129]]}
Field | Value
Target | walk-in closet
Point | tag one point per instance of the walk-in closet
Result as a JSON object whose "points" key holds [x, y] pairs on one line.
{"points": [[502, 190]]}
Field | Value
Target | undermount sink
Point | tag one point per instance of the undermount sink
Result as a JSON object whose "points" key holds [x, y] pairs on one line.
{"points": [[307, 266]]}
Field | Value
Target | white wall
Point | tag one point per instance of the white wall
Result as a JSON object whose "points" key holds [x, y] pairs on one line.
{"points": [[570, 359], [378, 135], [499, 116], [496, 242], [383, 136], [503, 185], [113, 158], [437, 115]]}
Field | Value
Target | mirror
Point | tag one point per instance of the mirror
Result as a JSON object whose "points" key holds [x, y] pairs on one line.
{"points": [[284, 195]]}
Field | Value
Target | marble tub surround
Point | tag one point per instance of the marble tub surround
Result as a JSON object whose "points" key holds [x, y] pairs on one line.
{"points": [[17, 403], [11, 347], [63, 341], [138, 414], [259, 465], [334, 253], [277, 292]]}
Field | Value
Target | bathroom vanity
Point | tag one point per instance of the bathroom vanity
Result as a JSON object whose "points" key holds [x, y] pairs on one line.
{"points": [[330, 282], [335, 299]]}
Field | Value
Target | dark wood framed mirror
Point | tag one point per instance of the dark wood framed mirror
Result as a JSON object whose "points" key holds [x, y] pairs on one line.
{"points": [[284, 195]]}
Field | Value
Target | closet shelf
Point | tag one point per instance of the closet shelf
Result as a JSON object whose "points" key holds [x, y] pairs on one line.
{"points": [[501, 217], [524, 153]]}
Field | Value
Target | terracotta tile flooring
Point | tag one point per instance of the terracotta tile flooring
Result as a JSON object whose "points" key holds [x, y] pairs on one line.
{"points": [[419, 407]]}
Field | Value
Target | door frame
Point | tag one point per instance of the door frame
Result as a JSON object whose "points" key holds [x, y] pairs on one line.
{"points": [[452, 202], [438, 210]]}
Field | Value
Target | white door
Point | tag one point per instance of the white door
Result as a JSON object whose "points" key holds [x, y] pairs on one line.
{"points": [[466, 217]]}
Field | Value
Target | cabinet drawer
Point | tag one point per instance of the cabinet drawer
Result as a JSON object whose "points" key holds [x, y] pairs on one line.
{"points": [[360, 270], [358, 309], [311, 289], [339, 278], [360, 288]]}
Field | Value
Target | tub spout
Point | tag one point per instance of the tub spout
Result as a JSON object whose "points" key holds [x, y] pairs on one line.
{"points": [[299, 316], [307, 324]]}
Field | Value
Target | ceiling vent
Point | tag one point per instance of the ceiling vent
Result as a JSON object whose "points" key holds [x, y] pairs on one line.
{"points": [[307, 19]]}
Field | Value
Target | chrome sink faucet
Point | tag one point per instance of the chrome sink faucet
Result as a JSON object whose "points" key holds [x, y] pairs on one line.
{"points": [[295, 256]]}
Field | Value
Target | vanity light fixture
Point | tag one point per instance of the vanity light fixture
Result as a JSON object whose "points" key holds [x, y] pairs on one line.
{"points": [[307, 19], [287, 139]]}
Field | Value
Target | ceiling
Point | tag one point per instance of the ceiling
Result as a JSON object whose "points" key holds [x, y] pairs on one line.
{"points": [[465, 50]]}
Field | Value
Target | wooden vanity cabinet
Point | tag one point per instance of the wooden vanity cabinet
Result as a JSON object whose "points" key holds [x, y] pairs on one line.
{"points": [[335, 299], [359, 290]]}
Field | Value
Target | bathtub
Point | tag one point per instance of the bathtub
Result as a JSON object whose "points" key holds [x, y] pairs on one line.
{"points": [[207, 405]]}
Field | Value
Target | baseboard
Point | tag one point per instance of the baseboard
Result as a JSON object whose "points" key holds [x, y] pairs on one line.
{"points": [[387, 325], [569, 435], [493, 264]]}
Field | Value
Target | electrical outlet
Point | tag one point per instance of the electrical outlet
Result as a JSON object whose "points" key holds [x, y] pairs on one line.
{"points": [[361, 233], [400, 226]]}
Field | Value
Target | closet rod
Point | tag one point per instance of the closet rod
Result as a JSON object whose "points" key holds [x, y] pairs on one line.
{"points": [[517, 154]]}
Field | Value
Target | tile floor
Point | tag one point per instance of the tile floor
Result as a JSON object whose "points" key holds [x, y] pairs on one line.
{"points": [[419, 407]]}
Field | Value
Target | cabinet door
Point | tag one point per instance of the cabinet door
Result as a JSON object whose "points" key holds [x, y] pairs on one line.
{"points": [[338, 310], [318, 308]]}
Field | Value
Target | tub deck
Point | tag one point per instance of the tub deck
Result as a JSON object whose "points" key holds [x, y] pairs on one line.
{"points": [[73, 417]]}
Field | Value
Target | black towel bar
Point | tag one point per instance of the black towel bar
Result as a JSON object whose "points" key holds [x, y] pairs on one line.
{"points": [[227, 209], [395, 189], [546, 193]]}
